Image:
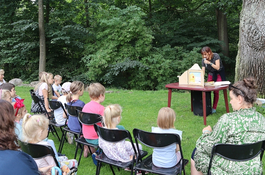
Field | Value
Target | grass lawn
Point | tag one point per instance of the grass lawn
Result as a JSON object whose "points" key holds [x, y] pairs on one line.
{"points": [[140, 109]]}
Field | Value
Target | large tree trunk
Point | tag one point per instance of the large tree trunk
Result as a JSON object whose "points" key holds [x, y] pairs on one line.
{"points": [[42, 61], [251, 48], [222, 31]]}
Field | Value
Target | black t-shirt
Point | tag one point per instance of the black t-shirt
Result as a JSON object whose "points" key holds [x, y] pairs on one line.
{"points": [[209, 68]]}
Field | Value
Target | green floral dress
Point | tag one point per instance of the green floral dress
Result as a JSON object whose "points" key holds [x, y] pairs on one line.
{"points": [[238, 127]]}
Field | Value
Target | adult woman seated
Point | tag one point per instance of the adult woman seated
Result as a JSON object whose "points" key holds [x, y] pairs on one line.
{"points": [[12, 161], [244, 125]]}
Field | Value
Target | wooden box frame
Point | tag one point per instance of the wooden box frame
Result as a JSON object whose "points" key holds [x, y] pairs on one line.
{"points": [[197, 78]]}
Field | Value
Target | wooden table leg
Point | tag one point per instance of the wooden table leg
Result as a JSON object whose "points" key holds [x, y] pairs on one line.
{"points": [[191, 100], [204, 107], [226, 101], [169, 97]]}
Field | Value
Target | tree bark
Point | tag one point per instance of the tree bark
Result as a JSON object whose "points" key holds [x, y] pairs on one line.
{"points": [[150, 8], [251, 48], [86, 11], [42, 59], [222, 31]]}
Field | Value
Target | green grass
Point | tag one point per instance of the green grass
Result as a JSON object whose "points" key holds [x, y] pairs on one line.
{"points": [[140, 109]]}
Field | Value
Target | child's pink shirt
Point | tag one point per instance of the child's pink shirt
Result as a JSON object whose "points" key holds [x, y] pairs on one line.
{"points": [[96, 108]]}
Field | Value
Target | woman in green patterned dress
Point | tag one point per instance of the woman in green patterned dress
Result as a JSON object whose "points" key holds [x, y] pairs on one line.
{"points": [[244, 125]]}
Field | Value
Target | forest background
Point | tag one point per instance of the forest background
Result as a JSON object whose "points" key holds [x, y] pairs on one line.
{"points": [[131, 44]]}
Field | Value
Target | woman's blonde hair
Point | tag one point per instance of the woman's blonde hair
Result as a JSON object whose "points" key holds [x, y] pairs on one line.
{"points": [[4, 94], [95, 90], [33, 126], [166, 118], [43, 79], [111, 114], [74, 88]]}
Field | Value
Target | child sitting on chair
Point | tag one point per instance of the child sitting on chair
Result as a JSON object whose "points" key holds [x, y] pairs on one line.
{"points": [[20, 112], [35, 130], [57, 85], [11, 88], [60, 116], [119, 151], [5, 95], [76, 90], [169, 156], [97, 95]]}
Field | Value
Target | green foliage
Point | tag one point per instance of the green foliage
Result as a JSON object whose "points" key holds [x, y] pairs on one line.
{"points": [[120, 34], [122, 43]]}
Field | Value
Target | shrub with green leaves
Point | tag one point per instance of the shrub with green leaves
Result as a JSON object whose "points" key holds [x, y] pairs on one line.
{"points": [[123, 56]]}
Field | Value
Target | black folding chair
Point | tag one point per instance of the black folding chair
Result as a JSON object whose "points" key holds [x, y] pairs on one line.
{"points": [[86, 119], [233, 152], [54, 105], [115, 135], [52, 123], [38, 151], [72, 110], [157, 140]]}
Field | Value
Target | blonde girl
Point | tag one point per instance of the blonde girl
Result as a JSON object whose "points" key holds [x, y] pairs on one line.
{"points": [[169, 156], [20, 112], [5, 95], [76, 90], [120, 151], [41, 91], [35, 130]]}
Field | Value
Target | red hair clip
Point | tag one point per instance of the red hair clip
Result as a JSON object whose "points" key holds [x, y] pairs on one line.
{"points": [[19, 104]]}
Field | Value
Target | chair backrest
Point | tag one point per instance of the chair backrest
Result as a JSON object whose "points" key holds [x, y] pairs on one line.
{"points": [[40, 103], [88, 118], [57, 104], [33, 96], [38, 151], [233, 152], [72, 110], [156, 140], [113, 135]]}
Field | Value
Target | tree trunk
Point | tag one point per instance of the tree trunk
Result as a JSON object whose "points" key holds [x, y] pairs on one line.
{"points": [[222, 31], [86, 11], [150, 9], [251, 48], [42, 61]]}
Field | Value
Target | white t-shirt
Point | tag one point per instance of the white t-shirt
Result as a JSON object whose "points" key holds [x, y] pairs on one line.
{"points": [[43, 86], [2, 82], [166, 157], [57, 88], [58, 113]]}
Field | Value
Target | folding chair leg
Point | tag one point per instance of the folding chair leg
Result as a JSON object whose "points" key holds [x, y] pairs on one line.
{"points": [[62, 142], [56, 133], [62, 134], [98, 168], [82, 149], [76, 149], [112, 169]]}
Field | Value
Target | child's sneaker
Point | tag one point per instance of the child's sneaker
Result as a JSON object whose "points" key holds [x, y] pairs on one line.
{"points": [[70, 138], [213, 110], [94, 158]]}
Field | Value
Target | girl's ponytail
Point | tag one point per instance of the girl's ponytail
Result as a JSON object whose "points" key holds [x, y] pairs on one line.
{"points": [[111, 114]]}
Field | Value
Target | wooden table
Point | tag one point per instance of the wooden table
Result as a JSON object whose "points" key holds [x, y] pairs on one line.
{"points": [[198, 88]]}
